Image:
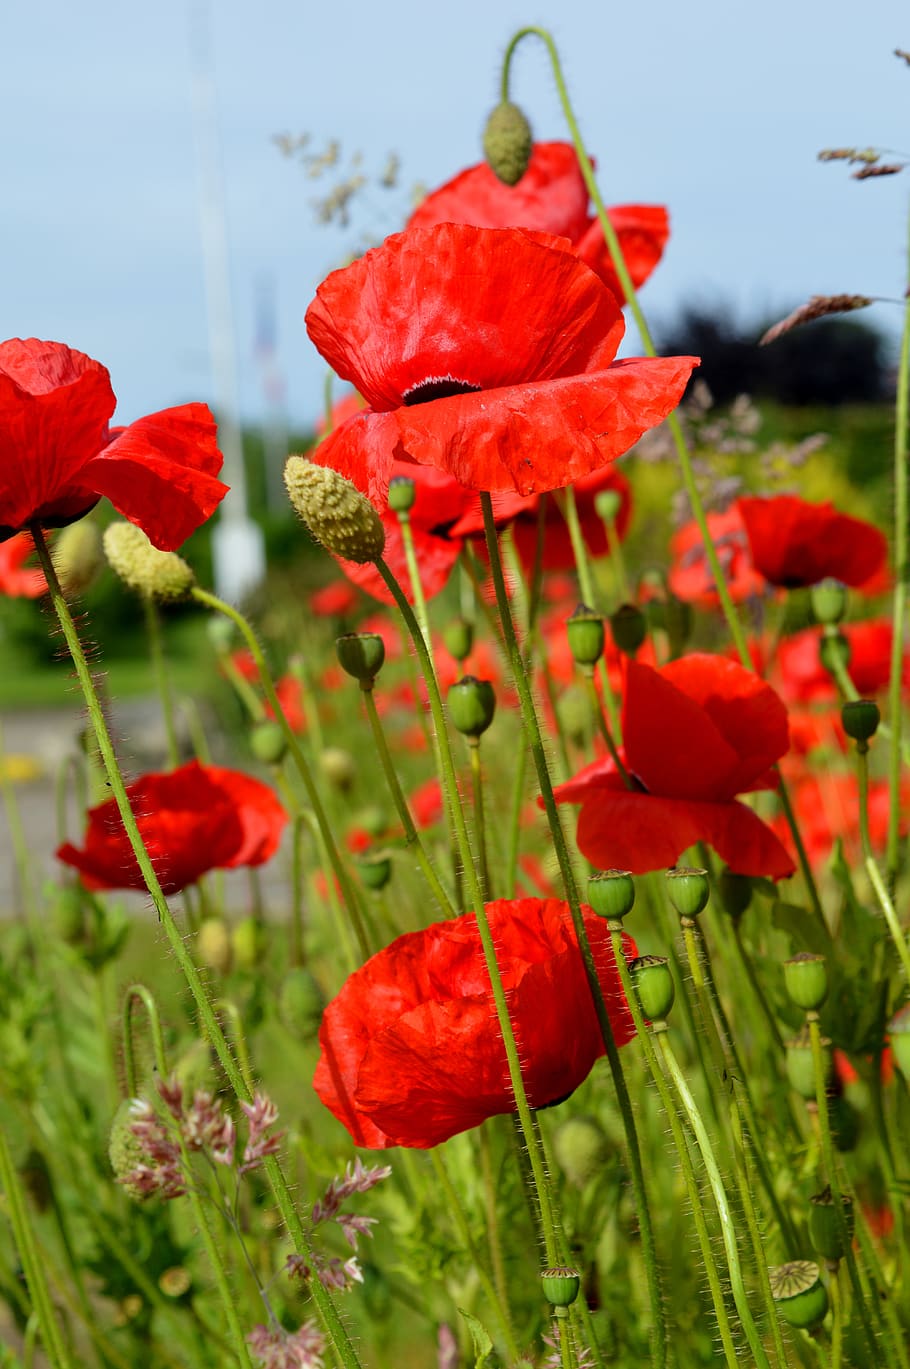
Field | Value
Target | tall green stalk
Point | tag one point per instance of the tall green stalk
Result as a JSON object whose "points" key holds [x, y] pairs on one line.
{"points": [[899, 607]]}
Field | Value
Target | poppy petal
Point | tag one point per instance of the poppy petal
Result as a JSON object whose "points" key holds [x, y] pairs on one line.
{"points": [[796, 543]]}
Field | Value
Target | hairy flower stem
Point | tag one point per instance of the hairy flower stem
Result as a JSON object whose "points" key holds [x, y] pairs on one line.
{"points": [[210, 1026], [679, 1140], [411, 834], [162, 682], [480, 831], [348, 889], [450, 782], [880, 889], [899, 606], [586, 584], [533, 734]]}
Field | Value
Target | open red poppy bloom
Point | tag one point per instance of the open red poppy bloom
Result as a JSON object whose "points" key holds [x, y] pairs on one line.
{"points": [[60, 457], [487, 354], [551, 197], [795, 543], [194, 819], [16, 579], [696, 733], [691, 577], [411, 1049]]}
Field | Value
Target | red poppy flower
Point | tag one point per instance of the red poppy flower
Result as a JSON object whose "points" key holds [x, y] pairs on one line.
{"points": [[194, 819], [17, 581], [487, 354], [795, 543], [551, 197], [696, 733], [336, 600], [804, 677], [691, 577], [60, 457], [411, 1049]]}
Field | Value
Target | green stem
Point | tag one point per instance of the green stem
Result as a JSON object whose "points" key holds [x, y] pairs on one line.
{"points": [[837, 1316], [518, 795], [411, 834], [744, 1183], [324, 1302], [159, 666], [899, 605], [588, 593], [603, 726], [532, 731], [875, 876], [480, 832]]}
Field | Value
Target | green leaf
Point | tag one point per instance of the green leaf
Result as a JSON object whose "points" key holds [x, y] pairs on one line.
{"points": [[483, 1344]]}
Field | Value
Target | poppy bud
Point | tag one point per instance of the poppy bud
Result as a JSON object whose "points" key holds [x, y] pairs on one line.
{"points": [[300, 1003], [78, 556], [829, 601], [806, 979], [375, 870], [458, 637], [161, 575], [800, 1065], [585, 630], [560, 1286], [629, 628], [654, 985], [860, 718], [689, 890], [402, 494], [213, 945], [268, 743], [824, 1226], [834, 650], [611, 894], [123, 1147], [607, 504], [248, 942], [735, 893], [799, 1293], [335, 511], [471, 705], [362, 655], [899, 1031], [580, 1147], [338, 766], [508, 143]]}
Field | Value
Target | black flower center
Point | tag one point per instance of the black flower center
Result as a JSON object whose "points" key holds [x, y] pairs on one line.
{"points": [[439, 387]]}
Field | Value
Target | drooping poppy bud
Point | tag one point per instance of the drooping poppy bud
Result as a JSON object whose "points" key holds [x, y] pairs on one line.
{"points": [[508, 142], [161, 575], [335, 511]]}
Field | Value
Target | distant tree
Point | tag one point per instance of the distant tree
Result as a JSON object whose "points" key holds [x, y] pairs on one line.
{"points": [[831, 361]]}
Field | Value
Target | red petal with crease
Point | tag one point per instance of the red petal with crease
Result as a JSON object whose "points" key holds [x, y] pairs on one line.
{"points": [[643, 231]]}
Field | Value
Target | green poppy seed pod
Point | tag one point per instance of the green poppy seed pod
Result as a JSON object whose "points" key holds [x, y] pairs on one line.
{"points": [[586, 634], [899, 1032], [508, 143], [471, 704], [799, 1293], [213, 945], [580, 1146], [860, 718], [338, 767], [361, 654], [402, 494], [829, 602], [248, 942], [458, 637], [375, 870], [629, 628], [560, 1285], [123, 1148], [806, 978], [607, 504], [735, 893], [824, 1227], [161, 575], [688, 889], [300, 1004], [78, 556], [268, 743], [611, 894], [335, 511], [653, 983], [834, 650], [800, 1065]]}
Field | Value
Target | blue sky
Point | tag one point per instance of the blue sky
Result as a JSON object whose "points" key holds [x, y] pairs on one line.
{"points": [[714, 109]]}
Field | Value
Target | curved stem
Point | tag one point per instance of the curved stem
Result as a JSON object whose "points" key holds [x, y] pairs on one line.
{"points": [[138, 993]]}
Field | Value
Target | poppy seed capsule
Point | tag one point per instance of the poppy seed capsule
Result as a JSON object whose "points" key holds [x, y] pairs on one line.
{"points": [[458, 637], [268, 743], [825, 1231], [402, 494], [335, 511], [585, 630], [471, 705], [560, 1285], [829, 601], [611, 894], [654, 985], [806, 978], [629, 628], [799, 1293], [161, 575], [508, 143], [801, 1067], [689, 890], [362, 655], [834, 651], [860, 719]]}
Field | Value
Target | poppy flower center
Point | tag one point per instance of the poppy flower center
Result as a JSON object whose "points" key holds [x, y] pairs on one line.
{"points": [[438, 387]]}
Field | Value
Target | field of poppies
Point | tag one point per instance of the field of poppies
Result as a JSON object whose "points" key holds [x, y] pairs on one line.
{"points": [[506, 961]]}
